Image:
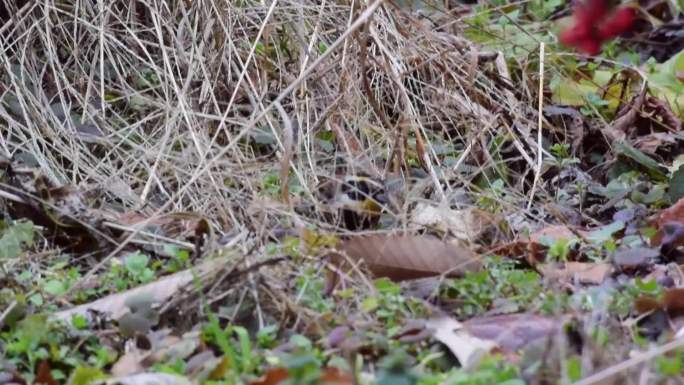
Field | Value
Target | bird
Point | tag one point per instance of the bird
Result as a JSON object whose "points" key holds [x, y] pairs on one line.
{"points": [[357, 200]]}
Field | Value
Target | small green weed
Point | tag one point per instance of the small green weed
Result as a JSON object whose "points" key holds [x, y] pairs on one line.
{"points": [[491, 196], [35, 339], [493, 370], [135, 269], [310, 288], [498, 280], [562, 156], [14, 238], [622, 302], [389, 305]]}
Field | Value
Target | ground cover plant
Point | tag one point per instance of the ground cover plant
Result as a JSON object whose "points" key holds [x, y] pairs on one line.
{"points": [[341, 192]]}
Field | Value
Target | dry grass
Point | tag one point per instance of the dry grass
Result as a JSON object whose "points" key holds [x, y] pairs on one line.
{"points": [[208, 106], [156, 104]]}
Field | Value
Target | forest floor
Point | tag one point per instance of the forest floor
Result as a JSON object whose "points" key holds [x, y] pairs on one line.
{"points": [[332, 192]]}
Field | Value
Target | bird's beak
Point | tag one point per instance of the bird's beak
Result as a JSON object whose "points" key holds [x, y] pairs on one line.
{"points": [[382, 198]]}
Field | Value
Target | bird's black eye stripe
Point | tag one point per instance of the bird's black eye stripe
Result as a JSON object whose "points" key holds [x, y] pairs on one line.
{"points": [[356, 189], [359, 189]]}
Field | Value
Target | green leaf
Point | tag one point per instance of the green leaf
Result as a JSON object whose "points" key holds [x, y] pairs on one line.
{"points": [[369, 304], [301, 342], [574, 369], [605, 233], [386, 286], [55, 287], [136, 262], [676, 191], [655, 170], [567, 92], [664, 84], [79, 321], [19, 233], [85, 376]]}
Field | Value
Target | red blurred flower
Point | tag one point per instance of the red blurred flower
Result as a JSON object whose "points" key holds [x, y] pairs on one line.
{"points": [[595, 23]]}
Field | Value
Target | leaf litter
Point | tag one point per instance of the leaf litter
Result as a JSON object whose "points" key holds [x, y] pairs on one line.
{"points": [[175, 230]]}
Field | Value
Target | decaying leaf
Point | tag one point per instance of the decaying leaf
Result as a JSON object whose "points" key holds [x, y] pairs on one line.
{"points": [[617, 131], [580, 272], [130, 363], [63, 210], [273, 376], [513, 331], [533, 247], [632, 259], [43, 374], [676, 189], [329, 376], [149, 378], [467, 224], [335, 376], [673, 237], [650, 165], [574, 123], [466, 347], [672, 301], [673, 214], [555, 233], [400, 257], [159, 291]]}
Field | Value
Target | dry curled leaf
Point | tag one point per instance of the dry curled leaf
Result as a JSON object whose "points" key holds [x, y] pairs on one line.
{"points": [[149, 378], [468, 224], [513, 331], [673, 214], [572, 119], [273, 376], [160, 291], [633, 259], [533, 247], [580, 272], [399, 257], [64, 211], [329, 376], [672, 301], [626, 118], [467, 348]]}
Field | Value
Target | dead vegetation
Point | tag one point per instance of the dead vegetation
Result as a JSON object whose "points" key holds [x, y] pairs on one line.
{"points": [[204, 133]]}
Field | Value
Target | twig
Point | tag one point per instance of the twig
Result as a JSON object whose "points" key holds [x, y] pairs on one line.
{"points": [[537, 173], [235, 140], [288, 143], [603, 375]]}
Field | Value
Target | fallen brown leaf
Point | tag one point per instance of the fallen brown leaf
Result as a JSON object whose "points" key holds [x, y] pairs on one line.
{"points": [[159, 291], [581, 272], [335, 376], [329, 376], [533, 247], [468, 348], [130, 363], [630, 260], [512, 331], [618, 130], [43, 374], [400, 257], [673, 237], [574, 122], [272, 376], [467, 224], [149, 378], [673, 214], [672, 301]]}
